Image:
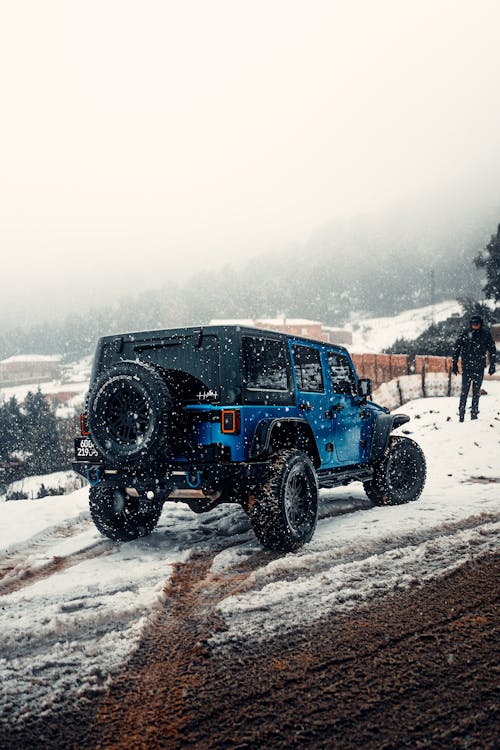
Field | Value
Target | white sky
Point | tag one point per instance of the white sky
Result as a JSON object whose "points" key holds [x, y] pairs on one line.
{"points": [[140, 141]]}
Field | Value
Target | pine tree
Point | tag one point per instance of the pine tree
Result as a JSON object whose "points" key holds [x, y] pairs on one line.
{"points": [[11, 440], [489, 259], [42, 436], [13, 426]]}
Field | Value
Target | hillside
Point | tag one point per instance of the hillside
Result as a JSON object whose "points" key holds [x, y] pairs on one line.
{"points": [[376, 334], [370, 266]]}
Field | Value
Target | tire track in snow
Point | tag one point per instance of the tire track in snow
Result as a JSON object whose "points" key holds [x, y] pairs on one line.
{"points": [[274, 598], [47, 537], [156, 683], [16, 573]]}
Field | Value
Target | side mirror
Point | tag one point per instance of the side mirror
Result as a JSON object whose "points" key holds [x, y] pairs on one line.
{"points": [[364, 387]]}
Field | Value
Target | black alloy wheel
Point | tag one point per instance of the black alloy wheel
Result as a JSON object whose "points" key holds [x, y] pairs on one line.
{"points": [[400, 475], [284, 511]]}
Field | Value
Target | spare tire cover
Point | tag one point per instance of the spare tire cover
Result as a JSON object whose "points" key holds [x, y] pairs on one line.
{"points": [[129, 413]]}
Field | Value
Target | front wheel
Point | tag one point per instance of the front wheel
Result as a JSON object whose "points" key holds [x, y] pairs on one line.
{"points": [[399, 477], [119, 516], [284, 511]]}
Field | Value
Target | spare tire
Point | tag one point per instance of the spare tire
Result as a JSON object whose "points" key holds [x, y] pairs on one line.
{"points": [[130, 411]]}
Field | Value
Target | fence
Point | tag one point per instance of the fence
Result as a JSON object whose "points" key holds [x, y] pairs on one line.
{"points": [[381, 368], [397, 379], [420, 385]]}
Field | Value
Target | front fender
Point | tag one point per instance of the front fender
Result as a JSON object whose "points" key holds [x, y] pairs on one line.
{"points": [[384, 425]]}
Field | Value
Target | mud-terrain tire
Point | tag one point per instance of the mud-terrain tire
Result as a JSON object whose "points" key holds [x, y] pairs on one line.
{"points": [[118, 516], [130, 411], [399, 477], [284, 511]]}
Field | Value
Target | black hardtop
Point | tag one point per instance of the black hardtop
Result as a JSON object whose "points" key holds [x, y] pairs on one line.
{"points": [[221, 331], [211, 354]]}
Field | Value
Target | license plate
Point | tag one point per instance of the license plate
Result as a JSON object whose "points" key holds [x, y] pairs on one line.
{"points": [[85, 450]]}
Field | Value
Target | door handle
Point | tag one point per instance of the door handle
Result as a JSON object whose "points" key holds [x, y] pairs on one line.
{"points": [[305, 406], [329, 412]]}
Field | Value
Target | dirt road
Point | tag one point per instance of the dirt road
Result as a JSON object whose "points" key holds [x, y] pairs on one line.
{"points": [[417, 669]]}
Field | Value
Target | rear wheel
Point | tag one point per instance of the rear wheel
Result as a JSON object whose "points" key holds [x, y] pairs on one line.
{"points": [[399, 477], [284, 512], [119, 516]]}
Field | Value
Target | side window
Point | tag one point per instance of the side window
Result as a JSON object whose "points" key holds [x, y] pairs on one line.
{"points": [[308, 368], [264, 364], [341, 374]]}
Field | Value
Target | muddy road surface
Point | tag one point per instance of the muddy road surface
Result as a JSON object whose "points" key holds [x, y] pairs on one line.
{"points": [[415, 668]]}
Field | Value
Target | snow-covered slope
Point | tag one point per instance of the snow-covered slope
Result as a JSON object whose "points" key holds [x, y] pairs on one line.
{"points": [[74, 605], [375, 334]]}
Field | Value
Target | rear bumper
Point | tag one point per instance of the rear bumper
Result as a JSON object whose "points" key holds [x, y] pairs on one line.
{"points": [[178, 481]]}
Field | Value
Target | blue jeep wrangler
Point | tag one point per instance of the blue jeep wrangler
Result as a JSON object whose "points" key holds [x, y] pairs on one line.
{"points": [[231, 414]]}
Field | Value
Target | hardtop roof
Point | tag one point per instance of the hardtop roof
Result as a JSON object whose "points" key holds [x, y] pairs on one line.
{"points": [[218, 330]]}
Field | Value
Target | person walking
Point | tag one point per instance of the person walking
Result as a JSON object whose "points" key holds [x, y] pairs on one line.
{"points": [[471, 346]]}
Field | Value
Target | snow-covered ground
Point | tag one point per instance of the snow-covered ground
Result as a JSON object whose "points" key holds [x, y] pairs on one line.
{"points": [[376, 334], [67, 480], [74, 382], [73, 604]]}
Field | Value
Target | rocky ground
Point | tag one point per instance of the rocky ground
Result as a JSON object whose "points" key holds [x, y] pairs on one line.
{"points": [[417, 669]]}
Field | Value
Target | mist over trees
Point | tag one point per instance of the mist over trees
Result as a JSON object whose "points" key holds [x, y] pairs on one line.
{"points": [[438, 338], [344, 270], [489, 259]]}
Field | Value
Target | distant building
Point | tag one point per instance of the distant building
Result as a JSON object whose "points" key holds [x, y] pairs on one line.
{"points": [[311, 329], [337, 336], [23, 369], [495, 332]]}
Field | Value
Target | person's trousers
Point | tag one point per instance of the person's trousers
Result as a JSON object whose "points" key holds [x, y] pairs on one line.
{"points": [[475, 379]]}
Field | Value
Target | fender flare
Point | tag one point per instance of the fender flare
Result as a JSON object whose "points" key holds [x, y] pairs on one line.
{"points": [[382, 428], [263, 432]]}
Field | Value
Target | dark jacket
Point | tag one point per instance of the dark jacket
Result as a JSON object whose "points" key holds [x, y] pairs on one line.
{"points": [[472, 346]]}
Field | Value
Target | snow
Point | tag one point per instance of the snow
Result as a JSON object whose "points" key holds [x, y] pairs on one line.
{"points": [[25, 521], [376, 334], [68, 480], [74, 379], [78, 390], [74, 604], [32, 358]]}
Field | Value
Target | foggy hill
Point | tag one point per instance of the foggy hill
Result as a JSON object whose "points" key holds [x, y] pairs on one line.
{"points": [[345, 271]]}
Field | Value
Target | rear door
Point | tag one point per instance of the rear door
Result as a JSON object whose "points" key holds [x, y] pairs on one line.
{"points": [[345, 410], [313, 399]]}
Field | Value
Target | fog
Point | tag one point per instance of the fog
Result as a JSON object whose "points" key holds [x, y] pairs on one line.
{"points": [[142, 142]]}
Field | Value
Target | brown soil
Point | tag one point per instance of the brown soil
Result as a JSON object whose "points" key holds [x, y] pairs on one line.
{"points": [[419, 669]]}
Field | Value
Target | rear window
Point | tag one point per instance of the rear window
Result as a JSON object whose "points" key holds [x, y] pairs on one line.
{"points": [[264, 364]]}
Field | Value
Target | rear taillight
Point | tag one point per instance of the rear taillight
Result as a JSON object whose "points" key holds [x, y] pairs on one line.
{"points": [[230, 421], [83, 424]]}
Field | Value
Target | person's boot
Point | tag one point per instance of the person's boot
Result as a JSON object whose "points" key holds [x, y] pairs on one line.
{"points": [[473, 416], [460, 417]]}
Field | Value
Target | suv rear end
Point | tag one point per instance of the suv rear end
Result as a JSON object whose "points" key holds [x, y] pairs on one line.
{"points": [[225, 414]]}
